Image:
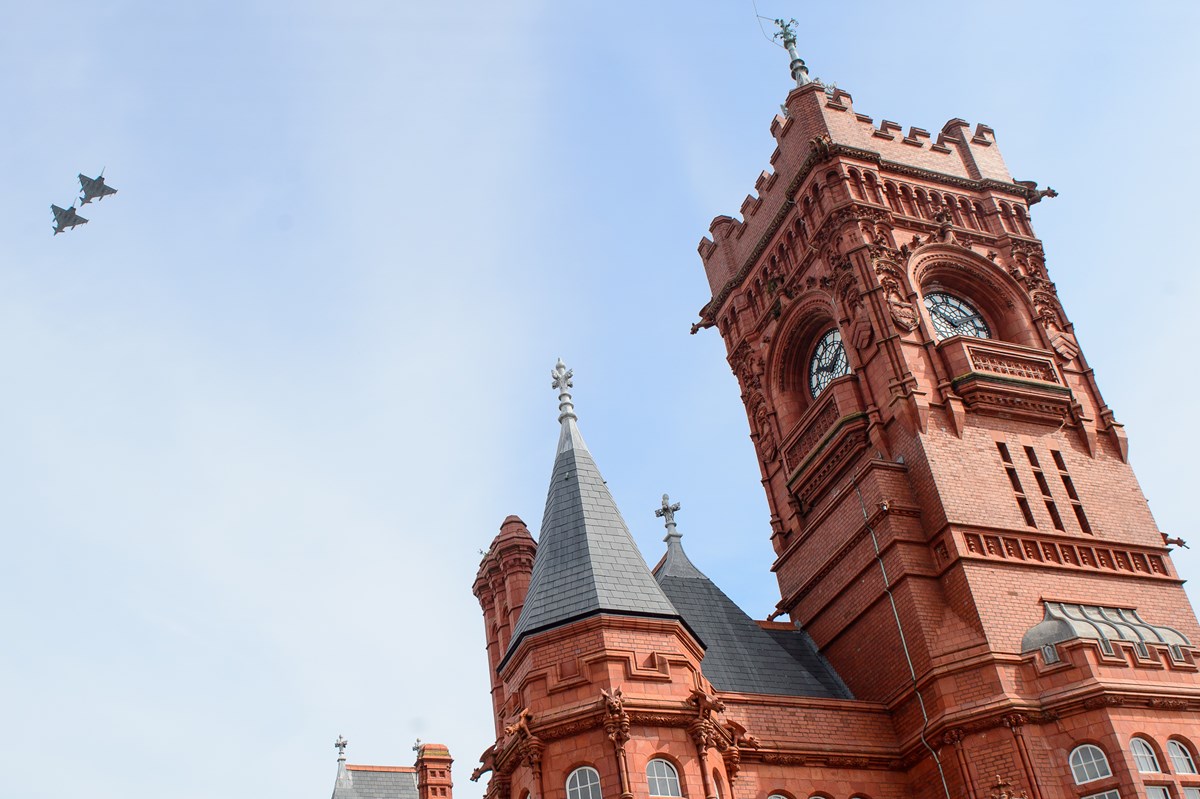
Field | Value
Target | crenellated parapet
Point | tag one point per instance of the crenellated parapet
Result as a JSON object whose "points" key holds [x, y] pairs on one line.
{"points": [[827, 154]]}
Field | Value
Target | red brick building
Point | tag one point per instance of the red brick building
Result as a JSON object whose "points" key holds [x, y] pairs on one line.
{"points": [[428, 778], [975, 599]]}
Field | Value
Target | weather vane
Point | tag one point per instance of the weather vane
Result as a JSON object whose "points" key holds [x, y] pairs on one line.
{"points": [[787, 35], [340, 745]]}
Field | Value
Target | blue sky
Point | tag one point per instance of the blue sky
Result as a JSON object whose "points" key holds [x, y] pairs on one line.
{"points": [[262, 413]]}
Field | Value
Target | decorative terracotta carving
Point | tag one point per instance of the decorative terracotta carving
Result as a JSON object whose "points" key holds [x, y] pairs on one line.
{"points": [[903, 313]]}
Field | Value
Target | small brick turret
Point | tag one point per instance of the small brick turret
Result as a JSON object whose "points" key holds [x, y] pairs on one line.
{"points": [[500, 586], [433, 772]]}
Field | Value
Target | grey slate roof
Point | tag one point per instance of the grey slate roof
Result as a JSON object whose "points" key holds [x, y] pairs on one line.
{"points": [[374, 782], [586, 562], [740, 655]]}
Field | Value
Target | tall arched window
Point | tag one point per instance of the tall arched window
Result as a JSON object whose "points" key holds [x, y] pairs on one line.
{"points": [[1181, 757], [1089, 764], [663, 778], [584, 783], [828, 362], [1143, 755]]}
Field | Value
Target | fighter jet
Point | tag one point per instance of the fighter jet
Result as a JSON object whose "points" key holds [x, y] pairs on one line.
{"points": [[94, 188], [66, 218]]}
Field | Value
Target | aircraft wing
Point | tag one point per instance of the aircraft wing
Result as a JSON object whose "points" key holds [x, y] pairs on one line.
{"points": [[86, 182]]}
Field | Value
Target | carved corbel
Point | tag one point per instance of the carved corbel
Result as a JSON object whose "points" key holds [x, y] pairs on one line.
{"points": [[1015, 722], [616, 726]]}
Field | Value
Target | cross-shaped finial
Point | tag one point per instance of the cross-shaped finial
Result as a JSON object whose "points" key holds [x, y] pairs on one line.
{"points": [[667, 514], [340, 745], [562, 381]]}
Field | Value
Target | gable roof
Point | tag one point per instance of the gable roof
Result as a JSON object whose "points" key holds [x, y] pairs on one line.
{"points": [[375, 782], [742, 656]]}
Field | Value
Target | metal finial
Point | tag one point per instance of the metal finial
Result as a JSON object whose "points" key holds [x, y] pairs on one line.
{"points": [[417, 746], [667, 514], [562, 381], [341, 745], [787, 35]]}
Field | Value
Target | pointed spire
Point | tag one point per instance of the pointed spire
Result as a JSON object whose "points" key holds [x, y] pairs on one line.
{"points": [[343, 787], [676, 562], [587, 562], [787, 34]]}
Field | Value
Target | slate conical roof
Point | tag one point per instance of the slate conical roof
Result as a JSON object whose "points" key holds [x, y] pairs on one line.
{"points": [[740, 655], [587, 562]]}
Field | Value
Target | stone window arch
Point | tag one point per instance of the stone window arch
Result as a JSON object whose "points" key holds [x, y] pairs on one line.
{"points": [[584, 783], [873, 194], [1088, 764], [806, 321], [923, 205], [1144, 756], [968, 214], [982, 217], [663, 778], [1022, 221], [972, 281], [893, 197], [1006, 218]]}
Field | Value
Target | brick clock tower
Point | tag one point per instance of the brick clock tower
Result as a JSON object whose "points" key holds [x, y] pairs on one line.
{"points": [[975, 599]]}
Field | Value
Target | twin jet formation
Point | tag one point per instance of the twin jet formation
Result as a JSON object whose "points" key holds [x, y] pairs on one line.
{"points": [[91, 189]]}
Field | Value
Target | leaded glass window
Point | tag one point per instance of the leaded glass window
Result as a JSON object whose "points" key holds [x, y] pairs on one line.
{"points": [[584, 783], [663, 779], [828, 362], [952, 316], [1143, 755], [1181, 758], [1089, 764]]}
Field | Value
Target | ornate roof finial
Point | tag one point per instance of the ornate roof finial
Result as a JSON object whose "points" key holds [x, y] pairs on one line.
{"points": [[417, 746], [787, 34], [341, 745], [667, 514], [562, 381]]}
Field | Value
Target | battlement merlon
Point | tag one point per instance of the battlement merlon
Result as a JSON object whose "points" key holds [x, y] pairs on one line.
{"points": [[815, 114]]}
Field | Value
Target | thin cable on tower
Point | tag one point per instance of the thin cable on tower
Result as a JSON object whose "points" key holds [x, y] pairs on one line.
{"points": [[759, 17]]}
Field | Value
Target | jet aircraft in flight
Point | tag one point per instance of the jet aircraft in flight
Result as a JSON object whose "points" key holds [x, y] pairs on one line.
{"points": [[94, 188], [66, 218]]}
